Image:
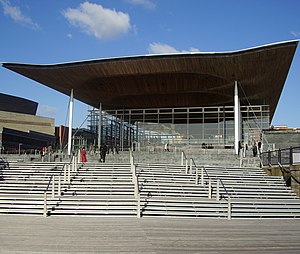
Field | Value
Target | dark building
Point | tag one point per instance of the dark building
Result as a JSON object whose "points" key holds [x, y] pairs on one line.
{"points": [[20, 128], [15, 104]]}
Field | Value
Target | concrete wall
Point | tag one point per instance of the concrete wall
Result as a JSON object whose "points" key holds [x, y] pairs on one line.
{"points": [[281, 139], [295, 171], [25, 122]]}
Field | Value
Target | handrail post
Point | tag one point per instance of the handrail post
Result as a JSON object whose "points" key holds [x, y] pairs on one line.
{"points": [[291, 156], [279, 155], [191, 165], [130, 156], [45, 204], [182, 155], [209, 189], [241, 159], [69, 173], [196, 177], [65, 173], [229, 208], [136, 190], [136, 186], [131, 159], [138, 207], [73, 164], [218, 190], [53, 186], [78, 156], [59, 186], [186, 166], [202, 176]]}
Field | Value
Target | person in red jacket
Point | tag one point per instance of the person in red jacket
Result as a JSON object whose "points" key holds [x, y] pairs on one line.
{"points": [[83, 155]]}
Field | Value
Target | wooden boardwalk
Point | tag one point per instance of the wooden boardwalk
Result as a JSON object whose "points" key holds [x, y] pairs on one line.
{"points": [[33, 234]]}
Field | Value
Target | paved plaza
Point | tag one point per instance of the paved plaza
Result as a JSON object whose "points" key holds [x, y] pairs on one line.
{"points": [[33, 234]]}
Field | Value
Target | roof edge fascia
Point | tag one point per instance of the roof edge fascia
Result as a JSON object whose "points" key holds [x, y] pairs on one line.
{"points": [[282, 43]]}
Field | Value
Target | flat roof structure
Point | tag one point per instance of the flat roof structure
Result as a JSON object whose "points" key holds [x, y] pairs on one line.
{"points": [[16, 104], [171, 80]]}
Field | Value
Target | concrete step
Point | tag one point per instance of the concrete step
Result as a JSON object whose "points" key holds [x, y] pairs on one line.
{"points": [[108, 190]]}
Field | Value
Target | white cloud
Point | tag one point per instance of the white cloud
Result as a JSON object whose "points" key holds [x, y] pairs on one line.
{"points": [[46, 110], [97, 21], [161, 48], [16, 15], [295, 34], [194, 50], [70, 36], [145, 3]]}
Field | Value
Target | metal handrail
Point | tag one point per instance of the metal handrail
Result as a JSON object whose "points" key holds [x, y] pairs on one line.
{"points": [[196, 172], [51, 179], [193, 163], [49, 182], [3, 165], [183, 156], [288, 171], [224, 187], [136, 184], [60, 173], [229, 209], [206, 172], [202, 167], [283, 170], [277, 155]]}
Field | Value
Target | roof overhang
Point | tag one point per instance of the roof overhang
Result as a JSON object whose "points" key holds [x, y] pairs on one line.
{"points": [[171, 80]]}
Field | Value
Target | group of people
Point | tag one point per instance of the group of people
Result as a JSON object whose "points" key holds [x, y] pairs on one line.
{"points": [[256, 148], [103, 152]]}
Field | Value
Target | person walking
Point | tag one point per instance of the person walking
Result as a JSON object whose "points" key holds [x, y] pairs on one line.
{"points": [[254, 149], [83, 155], [103, 152], [167, 147]]}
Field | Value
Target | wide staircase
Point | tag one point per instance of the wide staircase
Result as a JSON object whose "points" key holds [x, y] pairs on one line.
{"points": [[142, 189], [91, 189], [167, 190], [99, 190]]}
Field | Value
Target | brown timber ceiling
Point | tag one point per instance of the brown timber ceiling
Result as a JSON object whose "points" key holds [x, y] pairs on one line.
{"points": [[172, 80]]}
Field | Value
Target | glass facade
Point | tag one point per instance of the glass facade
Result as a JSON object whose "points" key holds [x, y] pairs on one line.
{"points": [[206, 126]]}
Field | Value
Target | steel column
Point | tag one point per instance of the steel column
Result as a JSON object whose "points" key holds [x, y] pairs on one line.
{"points": [[70, 123]]}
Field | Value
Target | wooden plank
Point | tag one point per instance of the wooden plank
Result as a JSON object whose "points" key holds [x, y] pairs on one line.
{"points": [[29, 234], [177, 80]]}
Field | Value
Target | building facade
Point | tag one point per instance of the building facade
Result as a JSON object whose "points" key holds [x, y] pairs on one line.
{"points": [[20, 128], [209, 127], [214, 99]]}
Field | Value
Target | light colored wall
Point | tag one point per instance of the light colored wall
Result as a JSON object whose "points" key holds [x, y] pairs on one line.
{"points": [[295, 170], [24, 122]]}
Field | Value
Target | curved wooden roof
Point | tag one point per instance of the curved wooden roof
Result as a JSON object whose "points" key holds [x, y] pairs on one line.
{"points": [[171, 80]]}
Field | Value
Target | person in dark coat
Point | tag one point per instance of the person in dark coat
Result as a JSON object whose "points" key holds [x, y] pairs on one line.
{"points": [[103, 152], [254, 150]]}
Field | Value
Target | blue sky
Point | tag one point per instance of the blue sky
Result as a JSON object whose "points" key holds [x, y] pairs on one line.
{"points": [[54, 31]]}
